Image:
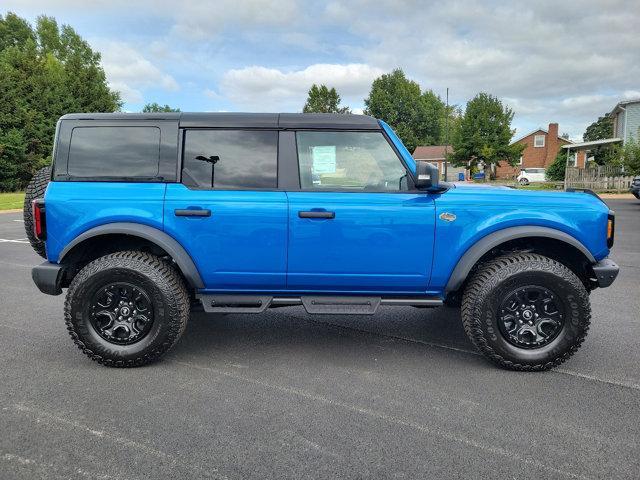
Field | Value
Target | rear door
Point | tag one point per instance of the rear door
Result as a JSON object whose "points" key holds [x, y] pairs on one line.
{"points": [[354, 226], [227, 211]]}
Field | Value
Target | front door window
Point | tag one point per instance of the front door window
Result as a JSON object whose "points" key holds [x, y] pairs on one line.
{"points": [[349, 161]]}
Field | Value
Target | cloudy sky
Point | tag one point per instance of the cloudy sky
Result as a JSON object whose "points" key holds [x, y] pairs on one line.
{"points": [[561, 61]]}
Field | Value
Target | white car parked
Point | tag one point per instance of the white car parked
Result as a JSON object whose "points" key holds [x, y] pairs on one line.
{"points": [[528, 175]]}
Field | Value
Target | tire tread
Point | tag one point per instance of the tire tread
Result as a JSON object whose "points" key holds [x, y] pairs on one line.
{"points": [[487, 277], [159, 270], [36, 188]]}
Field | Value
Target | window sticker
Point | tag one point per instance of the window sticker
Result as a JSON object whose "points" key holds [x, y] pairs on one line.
{"points": [[324, 159]]}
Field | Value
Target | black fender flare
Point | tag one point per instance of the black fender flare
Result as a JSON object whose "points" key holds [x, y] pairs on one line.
{"points": [[482, 246], [160, 238]]}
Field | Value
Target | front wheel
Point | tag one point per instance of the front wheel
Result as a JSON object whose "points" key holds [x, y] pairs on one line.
{"points": [[524, 181], [126, 309], [525, 311]]}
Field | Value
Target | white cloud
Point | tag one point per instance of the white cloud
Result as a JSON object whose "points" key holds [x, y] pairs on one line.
{"points": [[567, 62], [261, 88], [199, 20], [129, 72]]}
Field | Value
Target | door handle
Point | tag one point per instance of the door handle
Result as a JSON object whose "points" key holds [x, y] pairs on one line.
{"points": [[192, 212], [317, 214]]}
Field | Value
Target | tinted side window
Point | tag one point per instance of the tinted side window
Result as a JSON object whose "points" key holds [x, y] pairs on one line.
{"points": [[349, 160], [230, 159], [114, 152]]}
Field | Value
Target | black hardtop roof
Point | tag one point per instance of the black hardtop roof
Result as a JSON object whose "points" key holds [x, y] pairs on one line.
{"points": [[244, 120]]}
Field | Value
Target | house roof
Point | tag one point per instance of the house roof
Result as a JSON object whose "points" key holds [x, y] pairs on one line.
{"points": [[593, 143], [619, 105], [544, 130], [431, 152]]}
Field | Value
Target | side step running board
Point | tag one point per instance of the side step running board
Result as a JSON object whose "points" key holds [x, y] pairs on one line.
{"points": [[314, 304]]}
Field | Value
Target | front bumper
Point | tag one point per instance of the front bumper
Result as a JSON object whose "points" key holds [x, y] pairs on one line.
{"points": [[606, 271], [635, 190], [48, 277]]}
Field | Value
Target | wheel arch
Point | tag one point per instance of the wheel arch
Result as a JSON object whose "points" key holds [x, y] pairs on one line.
{"points": [[543, 240], [132, 233]]}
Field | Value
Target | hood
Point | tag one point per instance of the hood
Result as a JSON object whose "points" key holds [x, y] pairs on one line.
{"points": [[515, 196]]}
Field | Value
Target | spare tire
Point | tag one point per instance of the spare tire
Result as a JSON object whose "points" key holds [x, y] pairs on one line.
{"points": [[35, 189]]}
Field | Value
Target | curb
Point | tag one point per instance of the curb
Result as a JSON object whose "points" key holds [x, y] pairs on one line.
{"points": [[11, 210]]}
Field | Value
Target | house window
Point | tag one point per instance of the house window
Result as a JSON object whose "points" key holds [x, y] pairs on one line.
{"points": [[538, 141], [520, 161], [573, 159]]}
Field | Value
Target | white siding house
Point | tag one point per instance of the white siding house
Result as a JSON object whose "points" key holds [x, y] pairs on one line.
{"points": [[626, 120]]}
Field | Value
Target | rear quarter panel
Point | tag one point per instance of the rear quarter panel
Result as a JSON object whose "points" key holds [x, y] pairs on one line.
{"points": [[482, 211], [75, 207]]}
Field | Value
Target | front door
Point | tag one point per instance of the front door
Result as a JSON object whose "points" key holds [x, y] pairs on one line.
{"points": [[354, 227], [227, 212]]}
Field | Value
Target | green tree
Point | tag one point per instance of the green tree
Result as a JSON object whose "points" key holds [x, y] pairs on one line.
{"points": [[415, 116], [156, 107], [599, 130], [323, 100], [631, 156], [556, 171], [45, 72], [485, 134], [449, 124]]}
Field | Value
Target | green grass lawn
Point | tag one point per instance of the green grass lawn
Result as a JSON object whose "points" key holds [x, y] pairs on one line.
{"points": [[10, 201]]}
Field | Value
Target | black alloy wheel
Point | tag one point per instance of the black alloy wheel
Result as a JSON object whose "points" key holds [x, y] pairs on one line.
{"points": [[121, 313], [531, 316]]}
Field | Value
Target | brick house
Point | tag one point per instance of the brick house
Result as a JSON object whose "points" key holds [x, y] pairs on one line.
{"points": [[541, 149], [435, 154]]}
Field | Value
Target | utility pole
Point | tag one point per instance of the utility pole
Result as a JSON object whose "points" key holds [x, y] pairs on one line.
{"points": [[446, 136]]}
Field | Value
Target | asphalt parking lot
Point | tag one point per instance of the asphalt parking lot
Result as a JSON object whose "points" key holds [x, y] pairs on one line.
{"points": [[286, 395]]}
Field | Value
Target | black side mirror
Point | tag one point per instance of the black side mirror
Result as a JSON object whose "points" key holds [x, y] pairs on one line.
{"points": [[427, 176]]}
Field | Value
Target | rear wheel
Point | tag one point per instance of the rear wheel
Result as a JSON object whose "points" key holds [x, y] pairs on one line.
{"points": [[525, 311], [35, 189], [126, 309]]}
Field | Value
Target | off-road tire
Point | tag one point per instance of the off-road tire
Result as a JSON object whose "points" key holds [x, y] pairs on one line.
{"points": [[165, 288], [35, 189], [486, 290]]}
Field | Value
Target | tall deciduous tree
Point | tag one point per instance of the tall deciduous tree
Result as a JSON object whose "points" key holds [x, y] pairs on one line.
{"points": [[415, 116], [485, 134], [599, 130], [156, 108], [322, 99], [45, 72]]}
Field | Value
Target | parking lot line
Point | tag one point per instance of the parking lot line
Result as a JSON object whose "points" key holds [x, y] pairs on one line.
{"points": [[452, 437], [41, 416]]}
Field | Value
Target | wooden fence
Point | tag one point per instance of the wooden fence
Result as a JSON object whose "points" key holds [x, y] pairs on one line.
{"points": [[599, 178]]}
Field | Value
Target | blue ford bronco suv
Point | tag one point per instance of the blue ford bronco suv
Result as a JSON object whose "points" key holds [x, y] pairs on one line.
{"points": [[143, 216]]}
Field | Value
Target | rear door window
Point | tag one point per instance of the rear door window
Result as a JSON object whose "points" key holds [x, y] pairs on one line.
{"points": [[230, 159], [114, 152]]}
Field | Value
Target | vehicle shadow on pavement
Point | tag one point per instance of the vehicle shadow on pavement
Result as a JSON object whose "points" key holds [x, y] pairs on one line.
{"points": [[290, 333]]}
